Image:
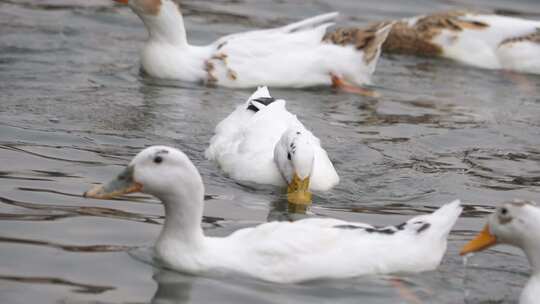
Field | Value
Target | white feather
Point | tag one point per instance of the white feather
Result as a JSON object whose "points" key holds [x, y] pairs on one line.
{"points": [[484, 47], [294, 55], [517, 223], [244, 145], [284, 252], [314, 248]]}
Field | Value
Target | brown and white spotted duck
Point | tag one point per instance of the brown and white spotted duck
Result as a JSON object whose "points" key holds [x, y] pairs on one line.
{"points": [[517, 224], [294, 56], [481, 40]]}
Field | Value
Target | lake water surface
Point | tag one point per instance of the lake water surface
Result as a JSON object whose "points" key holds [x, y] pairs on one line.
{"points": [[74, 109]]}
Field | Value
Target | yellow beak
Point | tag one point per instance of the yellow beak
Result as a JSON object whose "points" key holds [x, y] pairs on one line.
{"points": [[298, 191], [483, 240], [122, 184]]}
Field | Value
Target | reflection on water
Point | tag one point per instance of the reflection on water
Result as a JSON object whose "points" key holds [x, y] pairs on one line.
{"points": [[282, 210], [178, 288], [74, 109], [172, 288]]}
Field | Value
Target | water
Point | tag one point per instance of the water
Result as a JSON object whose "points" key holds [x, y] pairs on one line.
{"points": [[74, 108]]}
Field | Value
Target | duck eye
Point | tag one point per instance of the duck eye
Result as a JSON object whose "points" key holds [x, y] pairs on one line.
{"points": [[504, 216], [158, 159]]}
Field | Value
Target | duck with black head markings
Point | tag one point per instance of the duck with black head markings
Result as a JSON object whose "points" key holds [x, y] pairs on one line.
{"points": [[283, 252], [295, 56], [262, 142], [514, 223]]}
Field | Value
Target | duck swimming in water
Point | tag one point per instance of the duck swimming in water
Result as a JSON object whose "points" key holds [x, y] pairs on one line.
{"points": [[283, 252], [517, 224], [262, 142], [294, 56], [482, 40]]}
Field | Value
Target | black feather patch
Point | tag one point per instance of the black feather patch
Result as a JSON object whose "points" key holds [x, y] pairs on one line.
{"points": [[385, 230], [423, 227], [264, 100], [401, 226], [381, 230], [348, 227]]}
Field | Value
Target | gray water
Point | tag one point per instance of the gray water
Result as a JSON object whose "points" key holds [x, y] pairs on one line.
{"points": [[74, 108]]}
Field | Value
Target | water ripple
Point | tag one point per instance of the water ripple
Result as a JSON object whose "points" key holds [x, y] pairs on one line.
{"points": [[79, 287]]}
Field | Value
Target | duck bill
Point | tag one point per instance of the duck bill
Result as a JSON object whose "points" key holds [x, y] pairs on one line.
{"points": [[122, 184], [483, 240], [121, 1], [298, 191]]}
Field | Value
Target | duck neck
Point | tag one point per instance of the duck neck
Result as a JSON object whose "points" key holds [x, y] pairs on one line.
{"points": [[183, 215], [532, 251], [167, 27]]}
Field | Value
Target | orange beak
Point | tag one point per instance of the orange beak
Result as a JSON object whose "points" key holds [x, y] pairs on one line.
{"points": [[298, 191], [483, 240], [122, 1]]}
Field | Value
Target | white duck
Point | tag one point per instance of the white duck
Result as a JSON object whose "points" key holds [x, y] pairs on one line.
{"points": [[291, 56], [518, 224], [284, 252], [262, 142], [481, 40]]}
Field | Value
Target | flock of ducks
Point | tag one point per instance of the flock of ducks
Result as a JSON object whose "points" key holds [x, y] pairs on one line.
{"points": [[262, 142]]}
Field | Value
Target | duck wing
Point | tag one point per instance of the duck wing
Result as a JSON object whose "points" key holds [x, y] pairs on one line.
{"points": [[296, 55], [308, 24], [243, 144], [328, 248], [481, 40]]}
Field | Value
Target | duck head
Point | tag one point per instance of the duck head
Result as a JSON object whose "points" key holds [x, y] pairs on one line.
{"points": [[162, 18], [514, 223], [161, 171], [294, 156]]}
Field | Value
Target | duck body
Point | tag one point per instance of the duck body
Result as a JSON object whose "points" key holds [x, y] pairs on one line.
{"points": [[481, 40], [283, 252], [310, 249], [517, 224], [255, 141], [531, 292], [161, 60], [295, 55]]}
